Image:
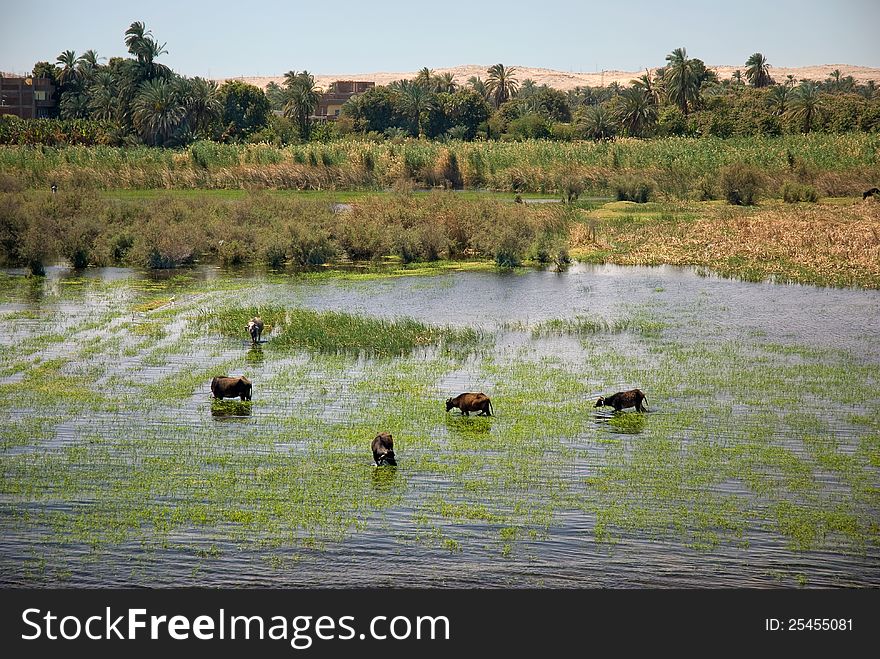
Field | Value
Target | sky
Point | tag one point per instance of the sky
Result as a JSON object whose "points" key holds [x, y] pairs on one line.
{"points": [[223, 38]]}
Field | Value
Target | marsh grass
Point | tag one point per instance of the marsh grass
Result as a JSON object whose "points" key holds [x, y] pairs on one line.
{"points": [[339, 332]]}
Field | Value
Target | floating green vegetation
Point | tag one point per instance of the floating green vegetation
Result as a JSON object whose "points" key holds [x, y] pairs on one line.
{"points": [[236, 408], [151, 305]]}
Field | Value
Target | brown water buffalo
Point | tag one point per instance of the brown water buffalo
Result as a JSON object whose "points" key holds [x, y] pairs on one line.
{"points": [[383, 449], [623, 399], [471, 402], [226, 387], [255, 328]]}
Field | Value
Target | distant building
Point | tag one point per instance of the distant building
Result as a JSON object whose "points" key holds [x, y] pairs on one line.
{"points": [[340, 91], [28, 98]]}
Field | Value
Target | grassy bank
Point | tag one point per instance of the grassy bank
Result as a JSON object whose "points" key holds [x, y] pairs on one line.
{"points": [[826, 244], [834, 164], [832, 243]]}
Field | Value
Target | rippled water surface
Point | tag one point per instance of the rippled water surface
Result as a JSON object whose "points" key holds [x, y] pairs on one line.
{"points": [[757, 464]]}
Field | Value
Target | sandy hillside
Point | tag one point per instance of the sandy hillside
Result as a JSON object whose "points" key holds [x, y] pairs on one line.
{"points": [[569, 80]]}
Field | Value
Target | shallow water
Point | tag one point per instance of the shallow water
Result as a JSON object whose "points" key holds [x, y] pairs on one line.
{"points": [[756, 466]]}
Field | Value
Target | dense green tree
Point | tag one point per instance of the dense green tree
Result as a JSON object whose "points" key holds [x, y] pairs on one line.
{"points": [[425, 78], [146, 49], [245, 109], [758, 71], [276, 96], [459, 114], [45, 70], [650, 87], [376, 110]]}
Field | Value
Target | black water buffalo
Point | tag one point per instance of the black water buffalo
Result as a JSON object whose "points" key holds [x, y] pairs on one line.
{"points": [[873, 192], [471, 402], [622, 399], [383, 449], [226, 387], [255, 328]]}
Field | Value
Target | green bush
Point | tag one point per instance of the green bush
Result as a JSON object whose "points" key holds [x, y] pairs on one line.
{"points": [[310, 245], [633, 188], [794, 192], [741, 184]]}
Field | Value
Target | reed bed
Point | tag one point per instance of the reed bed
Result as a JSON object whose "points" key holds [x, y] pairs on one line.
{"points": [[834, 164]]}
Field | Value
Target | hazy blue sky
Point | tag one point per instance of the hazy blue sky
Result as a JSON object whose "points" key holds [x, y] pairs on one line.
{"points": [[226, 38]]}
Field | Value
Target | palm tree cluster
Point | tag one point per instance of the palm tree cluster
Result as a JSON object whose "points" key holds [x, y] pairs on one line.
{"points": [[142, 96], [151, 104]]}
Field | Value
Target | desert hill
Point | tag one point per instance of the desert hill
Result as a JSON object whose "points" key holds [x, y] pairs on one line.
{"points": [[569, 80]]}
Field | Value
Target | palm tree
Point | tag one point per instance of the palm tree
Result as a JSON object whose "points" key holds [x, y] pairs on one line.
{"points": [[681, 80], [779, 99], [597, 123], [736, 77], [528, 88], [501, 84], [157, 110], [834, 77], [649, 86], [201, 99], [425, 77], [416, 99], [104, 96], [87, 64], [142, 45], [758, 71], [69, 72], [806, 105], [445, 83], [302, 99], [73, 105], [636, 111], [478, 85]]}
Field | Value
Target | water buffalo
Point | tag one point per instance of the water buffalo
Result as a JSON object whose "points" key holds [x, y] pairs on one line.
{"points": [[873, 192], [471, 402], [383, 449], [622, 399], [255, 328], [226, 387]]}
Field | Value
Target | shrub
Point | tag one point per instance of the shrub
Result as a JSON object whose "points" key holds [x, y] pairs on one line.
{"points": [[633, 188], [364, 238], [741, 184], [310, 245], [794, 192], [571, 187]]}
